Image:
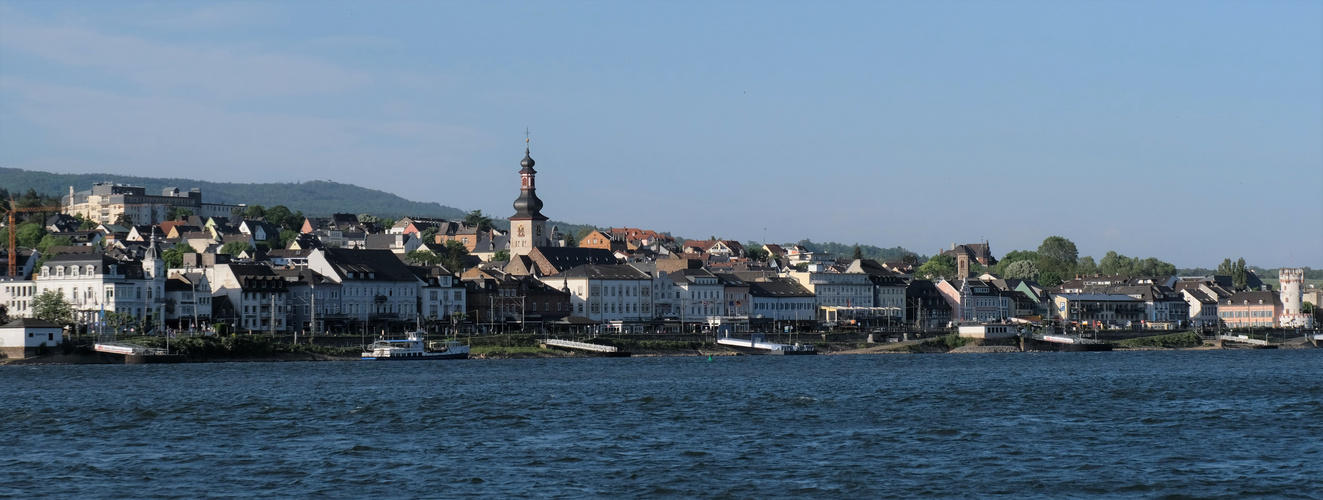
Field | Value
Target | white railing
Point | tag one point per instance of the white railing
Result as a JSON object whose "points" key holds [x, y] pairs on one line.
{"points": [[580, 345]]}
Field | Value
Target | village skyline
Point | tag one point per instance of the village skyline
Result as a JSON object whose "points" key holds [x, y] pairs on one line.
{"points": [[1150, 129]]}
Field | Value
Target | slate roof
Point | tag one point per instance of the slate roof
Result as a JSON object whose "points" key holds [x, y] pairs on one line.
{"points": [[382, 264], [604, 272], [778, 288]]}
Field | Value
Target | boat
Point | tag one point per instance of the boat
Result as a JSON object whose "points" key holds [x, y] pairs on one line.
{"points": [[759, 343], [414, 348]]}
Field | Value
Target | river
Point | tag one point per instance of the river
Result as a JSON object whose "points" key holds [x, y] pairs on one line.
{"points": [[1047, 425]]}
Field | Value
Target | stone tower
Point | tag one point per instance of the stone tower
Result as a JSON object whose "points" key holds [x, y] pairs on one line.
{"points": [[527, 225], [1293, 281]]}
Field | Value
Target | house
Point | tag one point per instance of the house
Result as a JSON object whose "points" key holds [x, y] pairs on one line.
{"points": [[888, 289], [926, 306], [97, 283], [781, 302], [260, 230], [604, 241], [975, 301], [522, 302], [25, 337], [1251, 309], [62, 223], [976, 252], [400, 244], [849, 294], [16, 295], [256, 299], [549, 261], [617, 296], [1099, 309], [376, 286], [188, 301]]}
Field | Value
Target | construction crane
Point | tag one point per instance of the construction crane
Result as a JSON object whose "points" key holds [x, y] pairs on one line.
{"points": [[13, 231]]}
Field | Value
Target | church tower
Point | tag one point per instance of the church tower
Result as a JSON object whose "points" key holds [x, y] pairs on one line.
{"points": [[527, 225]]}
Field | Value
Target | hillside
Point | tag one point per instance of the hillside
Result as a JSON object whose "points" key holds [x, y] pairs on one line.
{"points": [[316, 198]]}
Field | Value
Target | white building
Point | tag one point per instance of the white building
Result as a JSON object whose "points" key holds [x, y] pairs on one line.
{"points": [[22, 338], [93, 284], [375, 285], [619, 296]]}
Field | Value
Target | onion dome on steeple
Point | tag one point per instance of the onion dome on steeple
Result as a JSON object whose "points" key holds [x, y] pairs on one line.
{"points": [[527, 206]]}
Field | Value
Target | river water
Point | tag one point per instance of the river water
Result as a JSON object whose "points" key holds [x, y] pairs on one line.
{"points": [[1049, 425]]}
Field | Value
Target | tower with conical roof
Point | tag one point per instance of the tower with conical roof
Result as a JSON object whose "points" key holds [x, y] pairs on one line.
{"points": [[527, 225]]}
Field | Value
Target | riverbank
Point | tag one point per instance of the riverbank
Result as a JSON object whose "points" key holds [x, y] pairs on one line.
{"points": [[256, 349]]}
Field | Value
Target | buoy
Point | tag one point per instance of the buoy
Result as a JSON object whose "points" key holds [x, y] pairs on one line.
{"points": [[709, 357]]}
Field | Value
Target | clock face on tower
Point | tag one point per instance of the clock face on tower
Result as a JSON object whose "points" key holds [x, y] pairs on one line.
{"points": [[521, 231]]}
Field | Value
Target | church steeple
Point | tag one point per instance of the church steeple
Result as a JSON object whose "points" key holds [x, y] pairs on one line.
{"points": [[527, 205], [527, 225]]}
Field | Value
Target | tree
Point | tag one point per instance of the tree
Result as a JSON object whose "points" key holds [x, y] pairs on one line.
{"points": [[476, 218], [429, 235], [858, 253], [254, 212], [1086, 266], [1022, 269], [50, 305], [177, 213], [279, 215], [174, 256], [1307, 307], [456, 253], [756, 252], [424, 256], [1225, 268], [4, 313], [940, 266], [1058, 256], [287, 236], [501, 255], [1012, 257], [235, 248], [1239, 274], [124, 220]]}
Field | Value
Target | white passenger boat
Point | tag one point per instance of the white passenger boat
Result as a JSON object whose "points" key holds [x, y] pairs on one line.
{"points": [[414, 348]]}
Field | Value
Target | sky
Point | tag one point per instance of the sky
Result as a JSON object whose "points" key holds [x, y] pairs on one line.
{"points": [[1186, 131]]}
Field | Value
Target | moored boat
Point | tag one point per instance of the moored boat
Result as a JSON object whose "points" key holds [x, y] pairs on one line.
{"points": [[413, 347]]}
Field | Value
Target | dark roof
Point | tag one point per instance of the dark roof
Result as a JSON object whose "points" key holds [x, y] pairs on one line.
{"points": [[604, 272], [562, 258], [30, 323], [377, 265], [778, 288]]}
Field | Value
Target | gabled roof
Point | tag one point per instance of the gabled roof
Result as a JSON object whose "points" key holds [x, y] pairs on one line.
{"points": [[778, 288], [604, 272], [372, 265]]}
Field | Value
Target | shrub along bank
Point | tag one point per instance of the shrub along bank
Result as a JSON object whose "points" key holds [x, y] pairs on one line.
{"points": [[239, 347], [1174, 340]]}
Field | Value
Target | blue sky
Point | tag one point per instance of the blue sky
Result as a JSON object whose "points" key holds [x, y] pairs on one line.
{"points": [[1187, 131]]}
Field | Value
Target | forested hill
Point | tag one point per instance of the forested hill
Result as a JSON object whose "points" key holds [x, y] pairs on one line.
{"points": [[316, 198], [319, 198]]}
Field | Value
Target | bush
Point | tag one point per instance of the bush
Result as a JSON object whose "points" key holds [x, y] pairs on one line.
{"points": [[1183, 339]]}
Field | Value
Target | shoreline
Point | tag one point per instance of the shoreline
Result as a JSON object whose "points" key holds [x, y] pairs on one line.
{"points": [[909, 347]]}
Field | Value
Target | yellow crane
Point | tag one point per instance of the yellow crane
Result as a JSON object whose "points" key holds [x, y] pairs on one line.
{"points": [[13, 231]]}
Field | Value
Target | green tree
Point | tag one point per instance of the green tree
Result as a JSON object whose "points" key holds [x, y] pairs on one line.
{"points": [[1239, 274], [1058, 256], [50, 305], [858, 253], [456, 253], [254, 212], [1086, 266], [501, 255], [1225, 268], [1022, 269], [4, 314], [429, 235], [174, 256], [1307, 307], [177, 213], [476, 218], [235, 248], [939, 266], [1012, 257], [280, 216], [124, 220], [424, 256], [756, 252], [287, 236]]}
